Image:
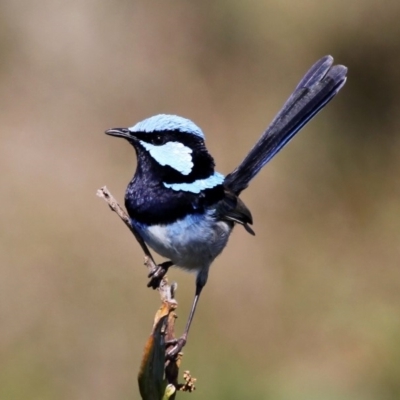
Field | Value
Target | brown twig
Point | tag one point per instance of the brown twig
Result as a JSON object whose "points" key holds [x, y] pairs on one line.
{"points": [[158, 378], [113, 204]]}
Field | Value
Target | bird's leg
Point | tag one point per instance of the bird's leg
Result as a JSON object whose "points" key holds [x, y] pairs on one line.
{"points": [[180, 343], [159, 273]]}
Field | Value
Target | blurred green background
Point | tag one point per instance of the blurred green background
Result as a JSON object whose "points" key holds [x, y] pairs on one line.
{"points": [[310, 307]]}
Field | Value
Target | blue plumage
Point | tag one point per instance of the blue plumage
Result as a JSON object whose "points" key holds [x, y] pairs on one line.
{"points": [[165, 122], [191, 242], [173, 154], [181, 206], [199, 185]]}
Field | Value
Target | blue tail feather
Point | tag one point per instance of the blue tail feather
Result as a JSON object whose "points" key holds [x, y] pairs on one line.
{"points": [[318, 86]]}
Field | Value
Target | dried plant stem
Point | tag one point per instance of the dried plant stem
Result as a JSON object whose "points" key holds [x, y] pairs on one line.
{"points": [[158, 377], [113, 204]]}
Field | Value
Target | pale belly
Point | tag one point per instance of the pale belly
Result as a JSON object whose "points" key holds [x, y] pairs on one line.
{"points": [[191, 243]]}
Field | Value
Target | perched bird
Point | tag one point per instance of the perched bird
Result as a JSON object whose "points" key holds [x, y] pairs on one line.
{"points": [[180, 205]]}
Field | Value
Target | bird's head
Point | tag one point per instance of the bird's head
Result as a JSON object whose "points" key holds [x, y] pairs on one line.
{"points": [[169, 148]]}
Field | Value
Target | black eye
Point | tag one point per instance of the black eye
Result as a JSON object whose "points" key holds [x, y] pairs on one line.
{"points": [[158, 140]]}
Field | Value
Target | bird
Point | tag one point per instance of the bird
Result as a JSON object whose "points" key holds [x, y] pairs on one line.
{"points": [[181, 206]]}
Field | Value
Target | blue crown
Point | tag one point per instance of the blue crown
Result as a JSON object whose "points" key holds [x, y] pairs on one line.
{"points": [[165, 122]]}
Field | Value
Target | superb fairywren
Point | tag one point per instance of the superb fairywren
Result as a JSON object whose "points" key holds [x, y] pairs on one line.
{"points": [[180, 205]]}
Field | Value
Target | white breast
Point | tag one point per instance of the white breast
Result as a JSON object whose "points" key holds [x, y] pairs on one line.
{"points": [[191, 243]]}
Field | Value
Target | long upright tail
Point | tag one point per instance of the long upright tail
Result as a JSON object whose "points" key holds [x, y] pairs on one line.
{"points": [[317, 88]]}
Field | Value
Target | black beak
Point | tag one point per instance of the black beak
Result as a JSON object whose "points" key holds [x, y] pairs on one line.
{"points": [[119, 132]]}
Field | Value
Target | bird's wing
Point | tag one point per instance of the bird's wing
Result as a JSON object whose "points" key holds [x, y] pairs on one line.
{"points": [[318, 86], [231, 208]]}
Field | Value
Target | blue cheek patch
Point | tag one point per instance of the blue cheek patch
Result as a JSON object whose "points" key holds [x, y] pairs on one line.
{"points": [[173, 154], [199, 185]]}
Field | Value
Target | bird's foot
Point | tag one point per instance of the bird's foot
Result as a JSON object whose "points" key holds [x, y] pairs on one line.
{"points": [[178, 344], [158, 274]]}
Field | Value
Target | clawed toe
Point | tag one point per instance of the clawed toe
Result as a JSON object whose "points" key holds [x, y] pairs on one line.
{"points": [[158, 274], [179, 345]]}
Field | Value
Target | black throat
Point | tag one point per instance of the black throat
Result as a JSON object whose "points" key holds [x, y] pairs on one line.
{"points": [[149, 201]]}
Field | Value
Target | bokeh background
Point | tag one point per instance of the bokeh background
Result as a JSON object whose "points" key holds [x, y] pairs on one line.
{"points": [[310, 307]]}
